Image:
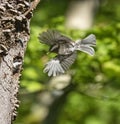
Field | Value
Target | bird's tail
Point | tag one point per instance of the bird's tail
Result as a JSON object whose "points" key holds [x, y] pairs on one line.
{"points": [[86, 45]]}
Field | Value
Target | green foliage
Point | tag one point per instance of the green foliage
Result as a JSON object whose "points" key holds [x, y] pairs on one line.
{"points": [[97, 96]]}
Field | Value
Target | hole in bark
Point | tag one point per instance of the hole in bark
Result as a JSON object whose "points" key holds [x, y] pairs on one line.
{"points": [[18, 26], [17, 62], [17, 59]]}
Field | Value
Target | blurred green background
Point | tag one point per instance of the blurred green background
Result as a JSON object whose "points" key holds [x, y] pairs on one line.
{"points": [[90, 91]]}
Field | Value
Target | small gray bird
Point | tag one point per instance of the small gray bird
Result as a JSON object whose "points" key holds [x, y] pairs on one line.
{"points": [[66, 50]]}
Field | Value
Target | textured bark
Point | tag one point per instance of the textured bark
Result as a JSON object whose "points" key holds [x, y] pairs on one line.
{"points": [[14, 33]]}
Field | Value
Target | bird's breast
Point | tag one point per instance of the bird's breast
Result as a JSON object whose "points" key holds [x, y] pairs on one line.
{"points": [[65, 49]]}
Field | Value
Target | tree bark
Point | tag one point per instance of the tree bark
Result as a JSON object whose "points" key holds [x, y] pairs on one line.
{"points": [[14, 33]]}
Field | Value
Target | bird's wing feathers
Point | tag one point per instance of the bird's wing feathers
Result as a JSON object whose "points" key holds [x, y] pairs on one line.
{"points": [[66, 56], [68, 61], [59, 64], [51, 37], [53, 67]]}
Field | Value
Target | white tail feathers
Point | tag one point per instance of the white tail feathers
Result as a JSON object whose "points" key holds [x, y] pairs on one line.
{"points": [[86, 44], [89, 40], [87, 49]]}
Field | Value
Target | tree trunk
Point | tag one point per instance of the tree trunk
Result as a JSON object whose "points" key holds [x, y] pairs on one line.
{"points": [[14, 33], [80, 14], [58, 104]]}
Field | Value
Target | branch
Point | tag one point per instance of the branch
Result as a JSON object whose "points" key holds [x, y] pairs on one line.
{"points": [[33, 6]]}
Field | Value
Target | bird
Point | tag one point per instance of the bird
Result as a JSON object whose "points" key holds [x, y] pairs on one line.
{"points": [[65, 49]]}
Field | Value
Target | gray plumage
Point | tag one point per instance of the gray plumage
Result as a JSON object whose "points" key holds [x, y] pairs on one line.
{"points": [[66, 50]]}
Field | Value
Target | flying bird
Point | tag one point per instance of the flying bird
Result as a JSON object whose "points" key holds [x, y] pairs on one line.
{"points": [[65, 49]]}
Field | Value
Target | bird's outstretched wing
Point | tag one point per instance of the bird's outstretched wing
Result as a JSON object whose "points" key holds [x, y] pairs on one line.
{"points": [[68, 60], [59, 64], [86, 44], [53, 67], [51, 37]]}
